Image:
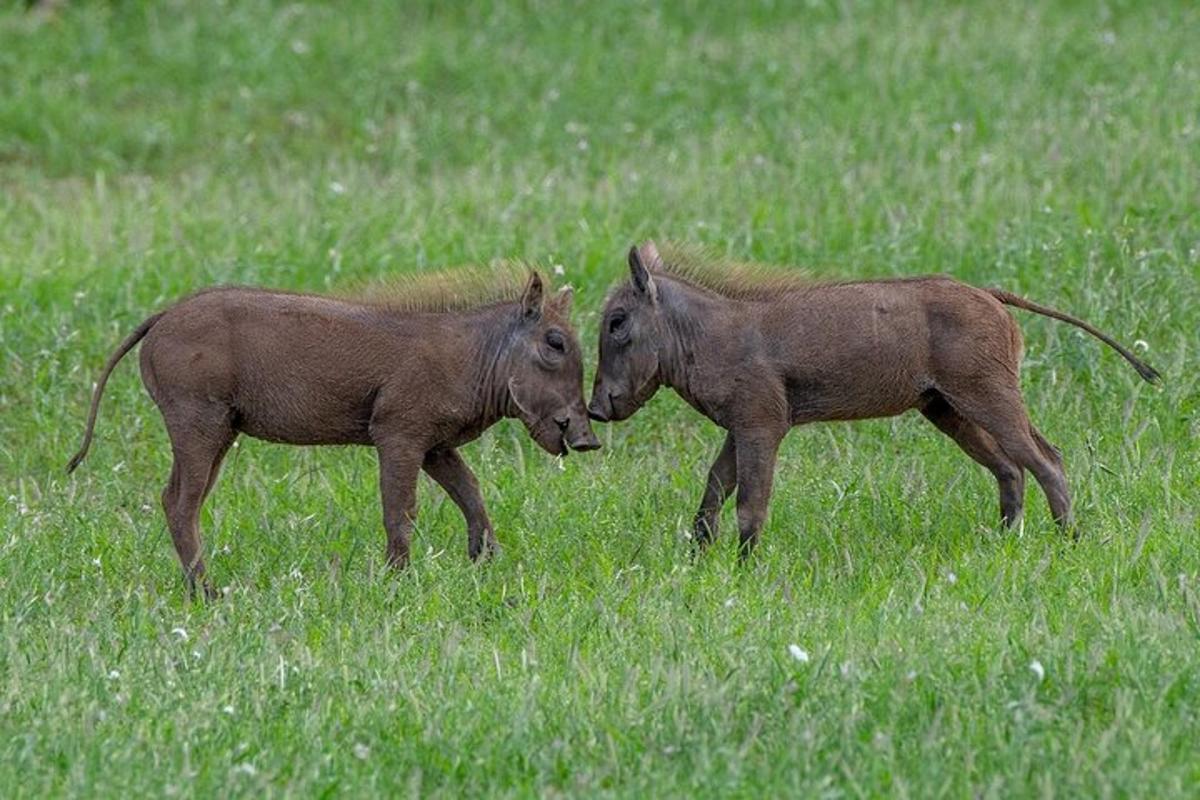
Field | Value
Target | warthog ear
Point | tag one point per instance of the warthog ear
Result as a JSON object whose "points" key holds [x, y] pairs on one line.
{"points": [[533, 297], [638, 271], [561, 301], [650, 257]]}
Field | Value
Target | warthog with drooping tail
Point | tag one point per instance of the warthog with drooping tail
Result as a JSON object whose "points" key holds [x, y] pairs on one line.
{"points": [[414, 371], [758, 351]]}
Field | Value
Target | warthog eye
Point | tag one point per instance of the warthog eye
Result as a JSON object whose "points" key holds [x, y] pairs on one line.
{"points": [[616, 322], [556, 341]]}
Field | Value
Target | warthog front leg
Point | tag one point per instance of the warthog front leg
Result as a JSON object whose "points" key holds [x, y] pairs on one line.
{"points": [[722, 480], [398, 468], [756, 452], [455, 477]]}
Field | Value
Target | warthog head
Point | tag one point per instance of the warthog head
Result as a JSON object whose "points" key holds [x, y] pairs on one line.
{"points": [[630, 371], [544, 372]]}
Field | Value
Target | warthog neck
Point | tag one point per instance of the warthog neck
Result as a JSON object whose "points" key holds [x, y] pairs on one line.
{"points": [[697, 329], [488, 368]]}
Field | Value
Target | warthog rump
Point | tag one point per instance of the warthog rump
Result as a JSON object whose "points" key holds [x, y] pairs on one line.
{"points": [[759, 351], [414, 372]]}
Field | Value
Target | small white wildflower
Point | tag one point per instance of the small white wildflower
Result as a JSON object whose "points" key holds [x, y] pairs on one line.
{"points": [[361, 751], [798, 653], [1037, 669], [181, 633], [910, 676], [246, 768], [951, 578], [729, 603], [583, 144], [956, 126], [559, 269], [228, 710], [337, 187], [299, 47], [1141, 344], [95, 562], [113, 674]]}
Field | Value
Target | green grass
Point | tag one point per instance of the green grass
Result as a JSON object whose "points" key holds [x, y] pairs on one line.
{"points": [[1051, 149]]}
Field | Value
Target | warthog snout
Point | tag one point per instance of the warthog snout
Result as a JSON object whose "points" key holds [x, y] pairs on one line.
{"points": [[597, 410], [577, 433]]}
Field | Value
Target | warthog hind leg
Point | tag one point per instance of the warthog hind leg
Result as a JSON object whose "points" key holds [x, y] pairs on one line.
{"points": [[201, 435], [979, 445], [1001, 412]]}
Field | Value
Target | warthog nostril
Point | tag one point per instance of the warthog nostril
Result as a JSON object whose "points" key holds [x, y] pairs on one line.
{"points": [[562, 423]]}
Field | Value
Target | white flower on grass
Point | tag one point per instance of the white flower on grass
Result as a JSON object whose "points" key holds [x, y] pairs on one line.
{"points": [[337, 187], [361, 751], [729, 604], [246, 768], [798, 653], [95, 562], [299, 47], [559, 269], [181, 633], [228, 710], [113, 675], [951, 578], [1037, 669]]}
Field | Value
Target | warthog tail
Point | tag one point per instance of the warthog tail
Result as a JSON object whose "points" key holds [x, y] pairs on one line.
{"points": [[127, 345], [1148, 373]]}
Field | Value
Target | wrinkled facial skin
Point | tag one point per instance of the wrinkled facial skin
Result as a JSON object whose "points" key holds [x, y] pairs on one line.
{"points": [[628, 373], [545, 376]]}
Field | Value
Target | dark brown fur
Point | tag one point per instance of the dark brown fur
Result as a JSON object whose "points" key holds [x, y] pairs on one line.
{"points": [[758, 352], [414, 372]]}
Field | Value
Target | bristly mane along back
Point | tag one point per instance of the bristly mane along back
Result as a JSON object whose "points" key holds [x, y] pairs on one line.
{"points": [[737, 280], [447, 290]]}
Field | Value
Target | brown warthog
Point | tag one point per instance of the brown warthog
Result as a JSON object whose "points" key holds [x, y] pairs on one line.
{"points": [[758, 351], [415, 372]]}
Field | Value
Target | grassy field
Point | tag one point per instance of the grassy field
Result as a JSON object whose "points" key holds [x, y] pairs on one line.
{"points": [[1051, 149]]}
